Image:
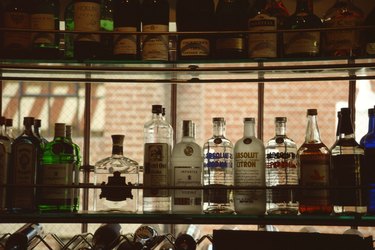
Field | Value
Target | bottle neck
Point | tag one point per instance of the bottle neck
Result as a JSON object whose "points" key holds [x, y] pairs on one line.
{"points": [[304, 6], [219, 129], [338, 126], [28, 130], [117, 150], [346, 127], [249, 129], [280, 129], [312, 131], [9, 132], [371, 124]]}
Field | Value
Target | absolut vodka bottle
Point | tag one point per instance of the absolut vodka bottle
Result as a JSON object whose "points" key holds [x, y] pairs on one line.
{"points": [[218, 171], [281, 171], [249, 170]]}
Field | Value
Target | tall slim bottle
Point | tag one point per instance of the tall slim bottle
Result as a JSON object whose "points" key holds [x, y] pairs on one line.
{"points": [[158, 138], [347, 169], [45, 16], [155, 18], [77, 165], [187, 164], [314, 161], [281, 171], [218, 171], [249, 170], [26, 159], [5, 154]]}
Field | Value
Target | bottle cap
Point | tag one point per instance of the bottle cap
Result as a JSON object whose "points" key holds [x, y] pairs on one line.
{"points": [[157, 109], [249, 119], [188, 128], [2, 120], [312, 112], [218, 119], [345, 111], [37, 123], [280, 119], [59, 129], [118, 139], [9, 122], [28, 121], [371, 111], [68, 129]]}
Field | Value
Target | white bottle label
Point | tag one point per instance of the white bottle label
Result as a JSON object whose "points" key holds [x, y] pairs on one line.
{"points": [[87, 18], [195, 47], [125, 44], [155, 47], [301, 42], [57, 174], [16, 40], [262, 44], [43, 22], [185, 176]]}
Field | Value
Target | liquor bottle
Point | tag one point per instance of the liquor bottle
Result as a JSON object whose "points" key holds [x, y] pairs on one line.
{"points": [[343, 15], [231, 15], [371, 126], [57, 169], [194, 16], [281, 171], [304, 43], [9, 129], [145, 233], [155, 18], [127, 18], [186, 240], [267, 15], [37, 126], [314, 162], [249, 170], [86, 19], [187, 164], [106, 237], [26, 159], [218, 171], [45, 16], [21, 238], [77, 166], [368, 35], [106, 26], [5, 154], [116, 170], [69, 26], [16, 44], [337, 128], [347, 169], [158, 138]]}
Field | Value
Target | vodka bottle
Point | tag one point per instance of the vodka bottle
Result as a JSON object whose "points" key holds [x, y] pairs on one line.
{"points": [[249, 170], [369, 163], [116, 170], [158, 138], [77, 165], [281, 171], [314, 160], [5, 154], [218, 171], [347, 169], [187, 164]]}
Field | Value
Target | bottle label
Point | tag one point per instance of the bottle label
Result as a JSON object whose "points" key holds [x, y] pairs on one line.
{"points": [[125, 44], [230, 43], [262, 44], [156, 160], [195, 47], [155, 47], [301, 42], [87, 18], [43, 22], [57, 174], [16, 40], [185, 176], [218, 160]]}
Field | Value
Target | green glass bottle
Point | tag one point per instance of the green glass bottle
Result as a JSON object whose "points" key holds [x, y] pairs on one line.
{"points": [[57, 168]]}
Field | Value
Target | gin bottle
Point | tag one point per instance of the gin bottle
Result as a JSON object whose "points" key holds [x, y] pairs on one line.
{"points": [[116, 170], [314, 162], [187, 164], [346, 169], [77, 165], [5, 153], [281, 171], [249, 170], [218, 171], [158, 138]]}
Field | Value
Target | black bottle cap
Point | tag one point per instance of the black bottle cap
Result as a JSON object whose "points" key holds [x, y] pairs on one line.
{"points": [[345, 111], [37, 123], [9, 122], [249, 119], [2, 120], [218, 119], [28, 121], [280, 119], [312, 112], [157, 109], [371, 111], [118, 139]]}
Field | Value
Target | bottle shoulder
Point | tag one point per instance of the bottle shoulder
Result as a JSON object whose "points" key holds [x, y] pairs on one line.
{"points": [[313, 149], [118, 163], [249, 143]]}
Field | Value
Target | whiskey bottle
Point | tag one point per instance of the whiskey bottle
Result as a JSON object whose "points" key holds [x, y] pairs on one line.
{"points": [[304, 43], [194, 16], [344, 41], [106, 26], [314, 161], [26, 159], [187, 164], [281, 171], [347, 169], [5, 154], [21, 238], [218, 171], [77, 166], [249, 170], [57, 169], [116, 170], [158, 138], [266, 15], [155, 18], [45, 16], [86, 19], [106, 237], [127, 18], [369, 163]]}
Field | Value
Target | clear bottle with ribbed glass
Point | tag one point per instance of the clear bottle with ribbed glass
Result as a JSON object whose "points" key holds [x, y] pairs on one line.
{"points": [[249, 170], [281, 171], [218, 171], [158, 141]]}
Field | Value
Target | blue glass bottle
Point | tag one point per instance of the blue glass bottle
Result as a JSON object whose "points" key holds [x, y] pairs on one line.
{"points": [[369, 162], [371, 125]]}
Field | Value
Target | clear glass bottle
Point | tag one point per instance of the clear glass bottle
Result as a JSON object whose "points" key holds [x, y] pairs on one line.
{"points": [[158, 138], [343, 42], [218, 171], [37, 126], [187, 162], [249, 170], [369, 163], [5, 154], [314, 162], [116, 170], [9, 129], [281, 171], [347, 169]]}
